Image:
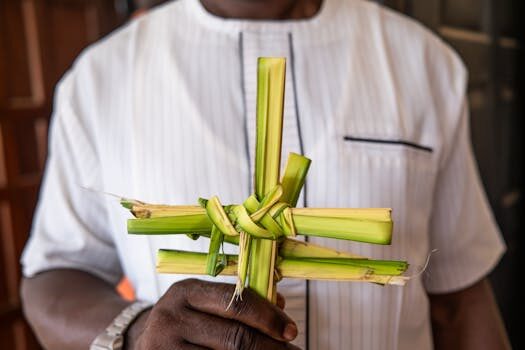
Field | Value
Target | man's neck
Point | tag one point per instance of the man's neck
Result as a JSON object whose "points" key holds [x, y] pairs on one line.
{"points": [[263, 9]]}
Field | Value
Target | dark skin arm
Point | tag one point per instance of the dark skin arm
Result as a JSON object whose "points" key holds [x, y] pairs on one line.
{"points": [[69, 308], [468, 319]]}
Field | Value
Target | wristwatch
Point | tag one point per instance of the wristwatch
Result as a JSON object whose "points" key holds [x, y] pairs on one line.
{"points": [[113, 337]]}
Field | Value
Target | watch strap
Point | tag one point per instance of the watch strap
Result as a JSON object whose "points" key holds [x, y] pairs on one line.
{"points": [[113, 336]]}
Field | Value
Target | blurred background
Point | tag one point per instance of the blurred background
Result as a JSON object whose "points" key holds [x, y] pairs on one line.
{"points": [[39, 40]]}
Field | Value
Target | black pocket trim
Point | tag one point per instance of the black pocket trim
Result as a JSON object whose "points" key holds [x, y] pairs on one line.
{"points": [[389, 142]]}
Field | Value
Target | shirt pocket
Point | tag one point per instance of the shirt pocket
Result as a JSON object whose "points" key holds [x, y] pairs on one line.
{"points": [[389, 172]]}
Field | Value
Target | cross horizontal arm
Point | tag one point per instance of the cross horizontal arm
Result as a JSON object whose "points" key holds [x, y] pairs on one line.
{"points": [[341, 269], [363, 225]]}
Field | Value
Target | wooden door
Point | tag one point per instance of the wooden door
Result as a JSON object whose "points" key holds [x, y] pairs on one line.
{"points": [[488, 36], [39, 39]]}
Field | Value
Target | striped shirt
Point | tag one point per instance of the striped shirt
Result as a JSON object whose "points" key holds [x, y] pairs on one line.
{"points": [[164, 111]]}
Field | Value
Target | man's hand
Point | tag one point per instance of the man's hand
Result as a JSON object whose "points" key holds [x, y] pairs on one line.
{"points": [[194, 314]]}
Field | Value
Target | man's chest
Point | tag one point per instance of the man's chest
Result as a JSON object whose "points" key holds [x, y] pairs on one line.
{"points": [[191, 130]]}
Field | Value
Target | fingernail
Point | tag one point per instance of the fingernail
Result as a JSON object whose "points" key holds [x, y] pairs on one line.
{"points": [[290, 331]]}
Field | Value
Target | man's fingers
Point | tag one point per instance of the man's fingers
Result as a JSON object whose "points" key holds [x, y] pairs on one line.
{"points": [[281, 302], [224, 334], [252, 310]]}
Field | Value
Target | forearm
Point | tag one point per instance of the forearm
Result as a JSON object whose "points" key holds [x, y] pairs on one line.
{"points": [[68, 308], [468, 319]]}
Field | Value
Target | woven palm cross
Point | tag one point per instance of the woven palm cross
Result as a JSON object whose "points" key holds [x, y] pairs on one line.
{"points": [[265, 225]]}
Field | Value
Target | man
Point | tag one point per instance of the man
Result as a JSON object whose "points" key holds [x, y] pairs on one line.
{"points": [[163, 111]]}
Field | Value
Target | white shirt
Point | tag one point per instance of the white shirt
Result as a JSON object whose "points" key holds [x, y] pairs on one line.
{"points": [[163, 111]]}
